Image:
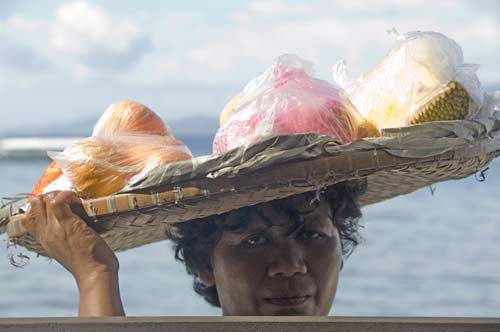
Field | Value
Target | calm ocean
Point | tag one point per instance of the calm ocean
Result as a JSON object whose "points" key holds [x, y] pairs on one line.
{"points": [[422, 255]]}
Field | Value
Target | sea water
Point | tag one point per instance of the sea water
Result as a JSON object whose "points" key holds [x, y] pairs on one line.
{"points": [[430, 253]]}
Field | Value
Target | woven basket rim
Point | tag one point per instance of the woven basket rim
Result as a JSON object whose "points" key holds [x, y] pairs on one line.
{"points": [[381, 154], [309, 162]]}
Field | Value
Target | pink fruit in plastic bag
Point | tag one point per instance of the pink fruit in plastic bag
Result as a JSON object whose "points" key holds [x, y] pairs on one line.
{"points": [[286, 99]]}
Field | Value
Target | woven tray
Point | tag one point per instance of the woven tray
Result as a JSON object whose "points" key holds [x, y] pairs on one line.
{"points": [[407, 160]]}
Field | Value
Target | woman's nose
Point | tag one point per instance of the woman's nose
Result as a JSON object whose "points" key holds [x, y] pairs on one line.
{"points": [[287, 261]]}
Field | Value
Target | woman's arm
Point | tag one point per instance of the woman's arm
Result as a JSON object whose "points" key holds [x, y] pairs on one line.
{"points": [[66, 238], [100, 295]]}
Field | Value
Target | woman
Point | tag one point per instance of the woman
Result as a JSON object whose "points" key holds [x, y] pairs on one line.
{"points": [[276, 258]]}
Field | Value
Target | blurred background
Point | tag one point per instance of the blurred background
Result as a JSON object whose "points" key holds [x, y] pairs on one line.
{"points": [[63, 62]]}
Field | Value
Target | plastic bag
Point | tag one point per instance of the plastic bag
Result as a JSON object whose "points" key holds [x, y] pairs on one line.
{"points": [[423, 79], [102, 165], [286, 99], [127, 117], [50, 174], [128, 140]]}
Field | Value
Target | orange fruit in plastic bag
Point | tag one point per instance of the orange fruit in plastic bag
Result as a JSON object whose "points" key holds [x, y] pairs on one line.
{"points": [[130, 117], [101, 166], [51, 173]]}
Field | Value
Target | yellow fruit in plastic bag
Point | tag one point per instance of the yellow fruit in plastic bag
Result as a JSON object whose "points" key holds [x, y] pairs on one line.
{"points": [[451, 102], [423, 79], [229, 109], [366, 128]]}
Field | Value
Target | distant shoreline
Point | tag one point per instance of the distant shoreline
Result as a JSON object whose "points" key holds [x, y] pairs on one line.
{"points": [[35, 148]]}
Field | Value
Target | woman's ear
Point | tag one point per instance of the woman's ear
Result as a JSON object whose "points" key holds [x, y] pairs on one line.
{"points": [[206, 278]]}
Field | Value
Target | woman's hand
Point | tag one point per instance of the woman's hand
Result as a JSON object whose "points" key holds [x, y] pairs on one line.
{"points": [[66, 238]]}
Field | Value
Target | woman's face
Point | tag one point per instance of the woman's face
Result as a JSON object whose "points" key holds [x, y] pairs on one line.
{"points": [[274, 268]]}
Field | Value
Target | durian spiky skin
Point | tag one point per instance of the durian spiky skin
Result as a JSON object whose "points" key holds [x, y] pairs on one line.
{"points": [[452, 102]]}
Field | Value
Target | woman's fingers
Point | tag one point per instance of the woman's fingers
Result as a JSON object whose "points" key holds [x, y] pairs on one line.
{"points": [[47, 213], [61, 216], [59, 205], [36, 216], [27, 222], [66, 237]]}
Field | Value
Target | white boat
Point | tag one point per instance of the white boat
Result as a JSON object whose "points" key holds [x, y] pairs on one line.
{"points": [[33, 147]]}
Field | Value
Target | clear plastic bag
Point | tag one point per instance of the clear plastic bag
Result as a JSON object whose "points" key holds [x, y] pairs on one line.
{"points": [[286, 99], [128, 140], [102, 165], [50, 175], [128, 117], [423, 79]]}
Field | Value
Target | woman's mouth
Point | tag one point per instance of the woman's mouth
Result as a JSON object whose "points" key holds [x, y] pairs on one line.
{"points": [[288, 301]]}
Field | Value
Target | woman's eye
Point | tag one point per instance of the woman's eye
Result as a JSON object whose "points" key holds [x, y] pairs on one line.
{"points": [[256, 240], [312, 235]]}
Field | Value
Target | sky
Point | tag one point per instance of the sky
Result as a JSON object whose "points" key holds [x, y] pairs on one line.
{"points": [[61, 61]]}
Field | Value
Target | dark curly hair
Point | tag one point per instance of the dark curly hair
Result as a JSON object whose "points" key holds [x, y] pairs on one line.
{"points": [[195, 240]]}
